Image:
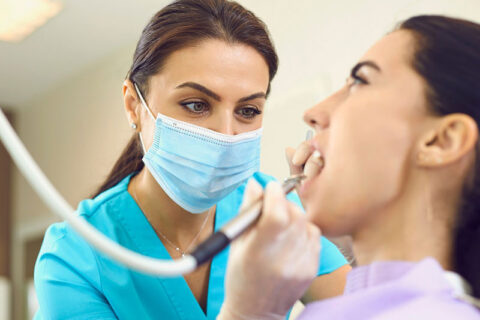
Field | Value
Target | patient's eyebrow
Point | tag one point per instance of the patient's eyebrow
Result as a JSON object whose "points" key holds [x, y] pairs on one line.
{"points": [[200, 88], [367, 63]]}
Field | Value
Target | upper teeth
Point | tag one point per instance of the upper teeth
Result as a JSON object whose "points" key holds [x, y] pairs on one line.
{"points": [[317, 158], [314, 165]]}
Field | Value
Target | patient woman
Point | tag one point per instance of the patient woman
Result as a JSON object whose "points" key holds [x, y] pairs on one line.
{"points": [[395, 163], [194, 98]]}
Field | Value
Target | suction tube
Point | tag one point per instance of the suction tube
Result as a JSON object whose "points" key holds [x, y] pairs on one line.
{"points": [[166, 268]]}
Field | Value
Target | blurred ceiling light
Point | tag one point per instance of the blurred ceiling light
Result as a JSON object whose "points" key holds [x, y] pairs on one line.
{"points": [[19, 18]]}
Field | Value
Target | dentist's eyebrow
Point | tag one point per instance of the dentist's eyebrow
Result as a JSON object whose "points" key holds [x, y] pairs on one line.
{"points": [[200, 88], [215, 96], [367, 63], [253, 96]]}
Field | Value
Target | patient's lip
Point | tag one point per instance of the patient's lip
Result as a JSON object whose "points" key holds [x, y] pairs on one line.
{"points": [[317, 146]]}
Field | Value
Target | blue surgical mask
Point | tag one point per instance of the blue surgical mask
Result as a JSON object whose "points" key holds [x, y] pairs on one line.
{"points": [[197, 167]]}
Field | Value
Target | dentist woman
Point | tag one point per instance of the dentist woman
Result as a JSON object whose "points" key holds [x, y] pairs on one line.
{"points": [[194, 98]]}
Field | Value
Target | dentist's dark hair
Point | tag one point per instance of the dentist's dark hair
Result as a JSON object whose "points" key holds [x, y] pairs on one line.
{"points": [[447, 56], [181, 24]]}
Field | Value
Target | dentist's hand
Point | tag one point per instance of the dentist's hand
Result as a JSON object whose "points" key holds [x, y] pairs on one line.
{"points": [[272, 264], [304, 159]]}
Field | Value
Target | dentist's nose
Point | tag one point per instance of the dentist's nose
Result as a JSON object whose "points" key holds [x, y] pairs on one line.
{"points": [[223, 123]]}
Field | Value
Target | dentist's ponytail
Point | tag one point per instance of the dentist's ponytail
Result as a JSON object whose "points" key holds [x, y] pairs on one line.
{"points": [[181, 24], [130, 161]]}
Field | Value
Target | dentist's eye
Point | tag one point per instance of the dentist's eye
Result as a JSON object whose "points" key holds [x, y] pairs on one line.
{"points": [[195, 106], [248, 112]]}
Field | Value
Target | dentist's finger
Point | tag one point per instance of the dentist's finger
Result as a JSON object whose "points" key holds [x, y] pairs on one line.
{"points": [[289, 153], [275, 215], [303, 151], [314, 164], [253, 192], [300, 225], [313, 230]]}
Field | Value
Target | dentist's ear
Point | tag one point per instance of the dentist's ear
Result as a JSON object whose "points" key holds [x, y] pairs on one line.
{"points": [[453, 137], [131, 104]]}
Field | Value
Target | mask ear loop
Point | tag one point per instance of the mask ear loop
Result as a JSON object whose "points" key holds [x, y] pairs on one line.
{"points": [[141, 142], [144, 104]]}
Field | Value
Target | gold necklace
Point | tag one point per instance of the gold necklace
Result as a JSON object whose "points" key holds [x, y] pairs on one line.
{"points": [[170, 243]]}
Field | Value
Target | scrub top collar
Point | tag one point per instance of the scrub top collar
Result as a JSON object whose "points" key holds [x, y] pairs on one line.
{"points": [[149, 244]]}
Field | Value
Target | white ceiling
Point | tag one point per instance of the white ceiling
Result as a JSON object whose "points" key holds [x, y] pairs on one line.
{"points": [[88, 30]]}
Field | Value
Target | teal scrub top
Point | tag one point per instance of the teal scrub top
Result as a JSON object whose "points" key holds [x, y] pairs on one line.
{"points": [[74, 281]]}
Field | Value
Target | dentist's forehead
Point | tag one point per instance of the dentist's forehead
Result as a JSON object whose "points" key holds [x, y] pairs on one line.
{"points": [[213, 62]]}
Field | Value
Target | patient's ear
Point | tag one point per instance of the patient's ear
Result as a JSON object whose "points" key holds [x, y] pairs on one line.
{"points": [[450, 139]]}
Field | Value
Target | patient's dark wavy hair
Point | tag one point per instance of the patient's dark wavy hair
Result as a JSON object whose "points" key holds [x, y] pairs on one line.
{"points": [[181, 24], [447, 56]]}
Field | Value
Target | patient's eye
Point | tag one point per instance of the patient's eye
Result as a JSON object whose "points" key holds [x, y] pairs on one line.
{"points": [[355, 79], [358, 80]]}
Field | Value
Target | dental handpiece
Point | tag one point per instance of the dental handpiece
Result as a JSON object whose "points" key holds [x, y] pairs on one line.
{"points": [[234, 228]]}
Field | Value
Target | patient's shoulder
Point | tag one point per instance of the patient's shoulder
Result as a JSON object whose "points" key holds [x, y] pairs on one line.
{"points": [[433, 307]]}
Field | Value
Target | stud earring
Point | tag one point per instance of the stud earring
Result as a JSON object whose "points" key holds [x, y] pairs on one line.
{"points": [[134, 126]]}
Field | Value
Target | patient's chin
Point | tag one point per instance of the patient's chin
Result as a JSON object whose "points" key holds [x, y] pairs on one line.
{"points": [[330, 224]]}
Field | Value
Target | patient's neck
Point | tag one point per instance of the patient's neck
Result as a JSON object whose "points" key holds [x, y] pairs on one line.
{"points": [[409, 229]]}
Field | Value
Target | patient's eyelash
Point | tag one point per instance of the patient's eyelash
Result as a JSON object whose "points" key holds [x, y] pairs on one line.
{"points": [[354, 75]]}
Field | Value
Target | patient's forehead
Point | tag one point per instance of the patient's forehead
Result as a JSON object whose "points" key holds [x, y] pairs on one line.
{"points": [[392, 53]]}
